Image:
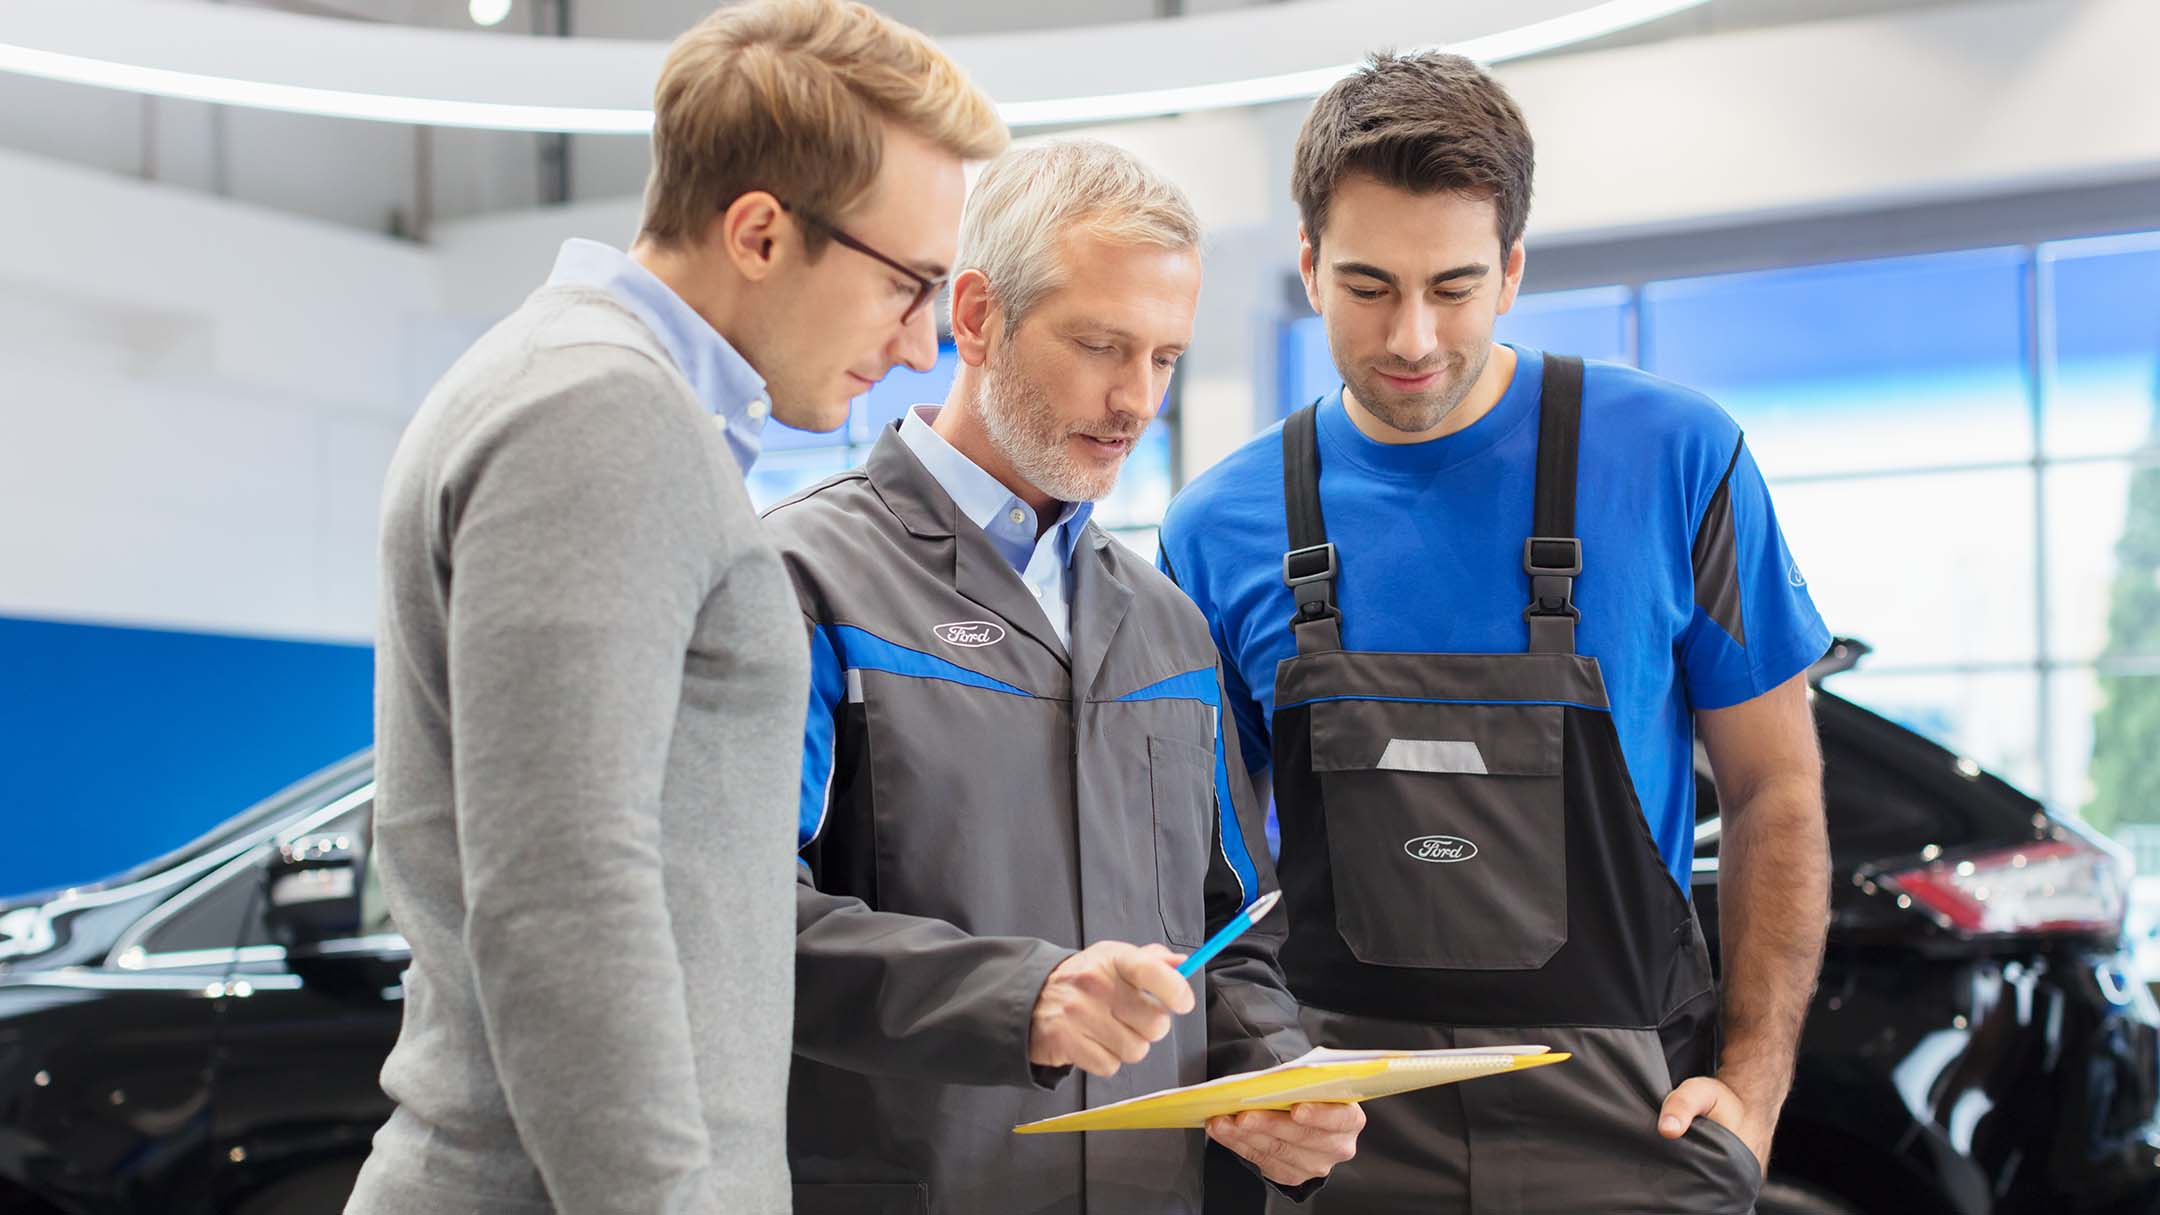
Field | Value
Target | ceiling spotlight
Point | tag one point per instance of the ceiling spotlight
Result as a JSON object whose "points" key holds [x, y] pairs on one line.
{"points": [[488, 12]]}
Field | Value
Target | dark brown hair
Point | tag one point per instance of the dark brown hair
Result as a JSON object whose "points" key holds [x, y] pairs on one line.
{"points": [[1424, 123]]}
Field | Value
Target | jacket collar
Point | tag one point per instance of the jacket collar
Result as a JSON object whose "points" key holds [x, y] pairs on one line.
{"points": [[972, 564]]}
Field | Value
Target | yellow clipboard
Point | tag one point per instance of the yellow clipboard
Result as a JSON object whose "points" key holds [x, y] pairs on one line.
{"points": [[1321, 1075]]}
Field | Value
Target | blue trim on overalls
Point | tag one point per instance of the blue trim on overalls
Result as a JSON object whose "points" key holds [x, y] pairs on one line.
{"points": [[1435, 700]]}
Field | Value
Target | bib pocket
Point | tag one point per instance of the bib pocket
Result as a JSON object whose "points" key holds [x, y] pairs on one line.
{"points": [[1447, 832]]}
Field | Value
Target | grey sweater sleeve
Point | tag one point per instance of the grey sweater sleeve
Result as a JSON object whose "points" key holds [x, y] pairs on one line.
{"points": [[581, 532]]}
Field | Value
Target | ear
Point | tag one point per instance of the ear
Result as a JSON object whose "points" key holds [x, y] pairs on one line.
{"points": [[754, 234], [1308, 267], [1511, 279], [976, 316]]}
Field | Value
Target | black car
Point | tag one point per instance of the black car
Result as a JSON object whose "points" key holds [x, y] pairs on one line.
{"points": [[204, 1032]]}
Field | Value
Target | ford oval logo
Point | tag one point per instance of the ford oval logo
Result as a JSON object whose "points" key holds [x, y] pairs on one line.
{"points": [[1440, 849], [970, 634]]}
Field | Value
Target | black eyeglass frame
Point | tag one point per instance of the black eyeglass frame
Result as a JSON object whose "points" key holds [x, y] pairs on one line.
{"points": [[926, 289]]}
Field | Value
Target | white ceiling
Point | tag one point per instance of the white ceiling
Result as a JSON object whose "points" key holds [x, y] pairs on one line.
{"points": [[383, 177], [664, 19]]}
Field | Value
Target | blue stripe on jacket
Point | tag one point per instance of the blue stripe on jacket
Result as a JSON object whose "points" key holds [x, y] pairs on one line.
{"points": [[836, 649], [1203, 685], [828, 685]]}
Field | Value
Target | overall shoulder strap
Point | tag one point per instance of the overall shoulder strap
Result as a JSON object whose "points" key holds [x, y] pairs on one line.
{"points": [[1309, 568], [1552, 556]]}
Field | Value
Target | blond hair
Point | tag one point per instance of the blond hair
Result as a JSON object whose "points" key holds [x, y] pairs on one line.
{"points": [[789, 96], [1030, 198]]}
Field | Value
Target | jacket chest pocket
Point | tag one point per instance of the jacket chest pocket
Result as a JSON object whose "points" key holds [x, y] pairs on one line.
{"points": [[1181, 778], [1447, 831], [963, 785]]}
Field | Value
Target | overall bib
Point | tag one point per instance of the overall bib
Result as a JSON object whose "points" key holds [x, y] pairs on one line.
{"points": [[1464, 863]]}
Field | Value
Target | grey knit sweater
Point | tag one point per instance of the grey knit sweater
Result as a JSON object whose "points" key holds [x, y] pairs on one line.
{"points": [[590, 689]]}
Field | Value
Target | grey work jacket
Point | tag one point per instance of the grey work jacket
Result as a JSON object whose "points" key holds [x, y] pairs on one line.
{"points": [[978, 803]]}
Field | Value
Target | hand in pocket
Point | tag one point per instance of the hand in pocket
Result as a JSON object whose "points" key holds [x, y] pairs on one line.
{"points": [[1708, 1097]]}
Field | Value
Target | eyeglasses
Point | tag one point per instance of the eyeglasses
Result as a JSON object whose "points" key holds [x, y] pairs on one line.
{"points": [[925, 288]]}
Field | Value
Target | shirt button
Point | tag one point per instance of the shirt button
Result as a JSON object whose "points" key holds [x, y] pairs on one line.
{"points": [[757, 410], [1018, 515], [1037, 589]]}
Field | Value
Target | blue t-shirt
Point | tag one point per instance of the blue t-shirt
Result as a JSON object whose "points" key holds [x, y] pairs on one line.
{"points": [[1689, 598]]}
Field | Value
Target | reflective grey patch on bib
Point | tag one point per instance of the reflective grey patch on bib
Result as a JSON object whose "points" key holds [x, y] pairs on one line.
{"points": [[1432, 755]]}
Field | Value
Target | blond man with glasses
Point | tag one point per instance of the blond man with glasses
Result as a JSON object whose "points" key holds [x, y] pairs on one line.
{"points": [[591, 671]]}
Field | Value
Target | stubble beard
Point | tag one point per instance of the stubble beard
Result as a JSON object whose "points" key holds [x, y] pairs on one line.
{"points": [[1024, 426], [1424, 411]]}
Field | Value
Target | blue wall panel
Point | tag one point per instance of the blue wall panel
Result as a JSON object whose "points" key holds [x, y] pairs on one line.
{"points": [[117, 744]]}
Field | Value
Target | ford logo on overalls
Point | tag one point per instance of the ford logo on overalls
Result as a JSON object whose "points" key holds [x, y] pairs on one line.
{"points": [[972, 634], [1440, 849]]}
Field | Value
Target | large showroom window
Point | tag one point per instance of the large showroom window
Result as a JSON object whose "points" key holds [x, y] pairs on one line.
{"points": [[1964, 452]]}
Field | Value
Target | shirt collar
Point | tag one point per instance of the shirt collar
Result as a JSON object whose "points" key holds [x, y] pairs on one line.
{"points": [[980, 496], [723, 380]]}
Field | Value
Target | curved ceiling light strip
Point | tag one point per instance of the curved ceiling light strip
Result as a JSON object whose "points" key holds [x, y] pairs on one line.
{"points": [[1590, 21], [1594, 21], [328, 103]]}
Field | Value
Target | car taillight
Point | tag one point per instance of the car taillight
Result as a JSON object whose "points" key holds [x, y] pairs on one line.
{"points": [[2051, 886]]}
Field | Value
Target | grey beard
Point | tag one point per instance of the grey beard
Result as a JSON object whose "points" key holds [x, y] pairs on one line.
{"points": [[1023, 425]]}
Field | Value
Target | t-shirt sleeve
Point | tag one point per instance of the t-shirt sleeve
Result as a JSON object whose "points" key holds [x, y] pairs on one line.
{"points": [[1245, 711], [1238, 698], [1754, 625]]}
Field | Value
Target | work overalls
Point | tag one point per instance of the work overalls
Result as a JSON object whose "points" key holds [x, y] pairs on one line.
{"points": [[1464, 863]]}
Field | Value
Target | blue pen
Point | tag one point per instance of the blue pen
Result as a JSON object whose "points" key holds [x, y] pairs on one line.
{"points": [[1230, 932]]}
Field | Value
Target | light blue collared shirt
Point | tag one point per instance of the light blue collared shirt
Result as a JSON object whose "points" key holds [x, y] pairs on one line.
{"points": [[722, 378], [1044, 563]]}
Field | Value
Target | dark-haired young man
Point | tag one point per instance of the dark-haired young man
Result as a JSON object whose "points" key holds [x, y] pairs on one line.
{"points": [[1481, 702]]}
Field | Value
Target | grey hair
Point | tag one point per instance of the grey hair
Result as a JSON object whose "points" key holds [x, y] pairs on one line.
{"points": [[1029, 198]]}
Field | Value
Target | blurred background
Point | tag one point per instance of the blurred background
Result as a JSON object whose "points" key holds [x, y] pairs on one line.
{"points": [[1913, 245]]}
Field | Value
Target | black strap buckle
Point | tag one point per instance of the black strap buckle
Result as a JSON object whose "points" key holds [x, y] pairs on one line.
{"points": [[1298, 568], [1552, 556], [1310, 575], [1552, 563], [1552, 607]]}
